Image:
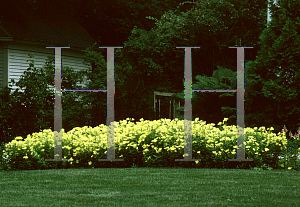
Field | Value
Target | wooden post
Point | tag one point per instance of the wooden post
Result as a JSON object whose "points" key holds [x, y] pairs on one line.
{"points": [[170, 111], [158, 108], [174, 109]]}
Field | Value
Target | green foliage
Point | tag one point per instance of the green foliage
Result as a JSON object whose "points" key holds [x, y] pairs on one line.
{"points": [[33, 109], [276, 97], [119, 23], [156, 63], [21, 109], [277, 55], [8, 109], [125, 86], [222, 78]]}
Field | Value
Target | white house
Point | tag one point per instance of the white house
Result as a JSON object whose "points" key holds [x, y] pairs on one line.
{"points": [[24, 30]]}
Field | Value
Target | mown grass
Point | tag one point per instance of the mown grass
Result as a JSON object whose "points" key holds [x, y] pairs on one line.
{"points": [[150, 187]]}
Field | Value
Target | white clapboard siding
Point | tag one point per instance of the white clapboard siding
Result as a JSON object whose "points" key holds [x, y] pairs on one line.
{"points": [[18, 56]]}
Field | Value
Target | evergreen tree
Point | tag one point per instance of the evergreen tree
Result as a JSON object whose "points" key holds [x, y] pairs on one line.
{"points": [[272, 98]]}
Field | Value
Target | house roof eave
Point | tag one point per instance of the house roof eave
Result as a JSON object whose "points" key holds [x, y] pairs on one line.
{"points": [[4, 39], [52, 27], [48, 45], [4, 35]]}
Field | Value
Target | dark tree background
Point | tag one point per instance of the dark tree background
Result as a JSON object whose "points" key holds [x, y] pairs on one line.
{"points": [[149, 61], [272, 100]]}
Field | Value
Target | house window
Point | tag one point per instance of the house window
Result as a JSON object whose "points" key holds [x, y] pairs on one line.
{"points": [[164, 107]]}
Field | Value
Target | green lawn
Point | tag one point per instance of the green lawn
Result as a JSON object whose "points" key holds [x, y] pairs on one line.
{"points": [[150, 187]]}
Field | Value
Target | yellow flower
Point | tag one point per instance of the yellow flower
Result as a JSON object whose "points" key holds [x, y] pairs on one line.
{"points": [[263, 128], [90, 162], [185, 155], [289, 168], [225, 119], [266, 149], [25, 157], [19, 138]]}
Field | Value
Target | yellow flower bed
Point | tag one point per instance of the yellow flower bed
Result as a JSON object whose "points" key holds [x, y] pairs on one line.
{"points": [[146, 143]]}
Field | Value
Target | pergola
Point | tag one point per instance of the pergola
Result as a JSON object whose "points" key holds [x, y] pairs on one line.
{"points": [[173, 104]]}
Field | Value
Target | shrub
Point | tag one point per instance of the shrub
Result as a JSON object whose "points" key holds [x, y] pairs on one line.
{"points": [[23, 113], [290, 158], [145, 144]]}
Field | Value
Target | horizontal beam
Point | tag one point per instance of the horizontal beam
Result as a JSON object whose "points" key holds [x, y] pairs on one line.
{"points": [[163, 94]]}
